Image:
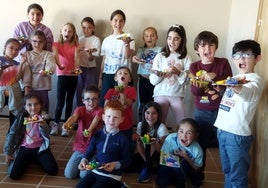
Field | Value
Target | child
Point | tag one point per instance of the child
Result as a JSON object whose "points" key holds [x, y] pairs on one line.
{"points": [[126, 95], [89, 50], [110, 148], [144, 58], [66, 53], [151, 124], [23, 30], [11, 72], [207, 96], [28, 141], [116, 51], [184, 145], [170, 71], [89, 118], [43, 65], [236, 112]]}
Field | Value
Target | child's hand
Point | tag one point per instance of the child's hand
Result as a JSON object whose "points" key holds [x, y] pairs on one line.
{"points": [[109, 166], [9, 159], [82, 164], [60, 66], [23, 58], [135, 59]]}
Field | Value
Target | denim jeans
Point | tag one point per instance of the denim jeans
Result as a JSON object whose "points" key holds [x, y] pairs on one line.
{"points": [[71, 170], [235, 158]]}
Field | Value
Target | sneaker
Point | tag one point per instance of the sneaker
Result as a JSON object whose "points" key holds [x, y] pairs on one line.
{"points": [[64, 132], [144, 176], [54, 129]]}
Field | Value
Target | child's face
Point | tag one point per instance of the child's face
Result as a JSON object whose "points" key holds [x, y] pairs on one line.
{"points": [[123, 77], [90, 100], [117, 24], [112, 118], [173, 41], [87, 29], [206, 52], [151, 116], [33, 106], [12, 50], [35, 16], [245, 61], [37, 43], [186, 134], [150, 38], [67, 33]]}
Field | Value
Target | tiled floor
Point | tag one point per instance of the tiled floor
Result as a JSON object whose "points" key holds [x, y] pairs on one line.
{"points": [[62, 149]]}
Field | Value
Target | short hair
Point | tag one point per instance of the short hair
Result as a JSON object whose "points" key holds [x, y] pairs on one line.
{"points": [[118, 11], [91, 89], [246, 45], [129, 71], [206, 37], [114, 105], [192, 122], [37, 6]]}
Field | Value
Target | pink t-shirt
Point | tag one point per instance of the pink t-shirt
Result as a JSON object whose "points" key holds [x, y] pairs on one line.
{"points": [[130, 93], [84, 120], [66, 53]]}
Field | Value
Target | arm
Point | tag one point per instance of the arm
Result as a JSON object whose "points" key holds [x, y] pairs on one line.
{"points": [[57, 60], [101, 72], [76, 57], [71, 120], [184, 155], [94, 124]]}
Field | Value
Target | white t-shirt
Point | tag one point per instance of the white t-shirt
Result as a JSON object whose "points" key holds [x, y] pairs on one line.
{"points": [[236, 111], [161, 131]]}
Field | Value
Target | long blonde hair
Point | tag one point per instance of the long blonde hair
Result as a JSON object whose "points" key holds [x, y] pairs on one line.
{"points": [[74, 40]]}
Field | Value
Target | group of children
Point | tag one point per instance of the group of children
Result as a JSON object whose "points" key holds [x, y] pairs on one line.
{"points": [[105, 136]]}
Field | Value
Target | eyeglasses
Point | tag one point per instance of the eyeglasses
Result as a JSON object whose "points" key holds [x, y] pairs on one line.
{"points": [[245, 55], [91, 99]]}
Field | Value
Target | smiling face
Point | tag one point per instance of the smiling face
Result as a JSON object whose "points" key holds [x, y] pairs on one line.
{"points": [[35, 16], [206, 52], [151, 116], [118, 24], [150, 38], [112, 118], [33, 106], [11, 50], [123, 77], [67, 33], [173, 41], [87, 29], [245, 61], [37, 43], [186, 134], [90, 100]]}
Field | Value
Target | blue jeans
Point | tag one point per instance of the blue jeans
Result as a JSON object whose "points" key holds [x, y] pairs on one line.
{"points": [[86, 78], [235, 158], [71, 170], [205, 120]]}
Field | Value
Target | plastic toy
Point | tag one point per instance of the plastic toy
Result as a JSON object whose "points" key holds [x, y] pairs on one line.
{"points": [[92, 165], [34, 119], [120, 88], [86, 133]]}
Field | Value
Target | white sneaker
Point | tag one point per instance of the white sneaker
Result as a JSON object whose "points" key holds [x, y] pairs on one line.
{"points": [[64, 132], [54, 129]]}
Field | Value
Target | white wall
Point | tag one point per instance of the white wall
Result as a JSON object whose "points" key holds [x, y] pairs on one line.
{"points": [[219, 16]]}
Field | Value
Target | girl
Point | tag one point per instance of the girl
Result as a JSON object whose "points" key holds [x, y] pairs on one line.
{"points": [[116, 51], [43, 65], [151, 124], [170, 72], [23, 30], [66, 53], [11, 72], [184, 145], [144, 58], [89, 49], [28, 141], [126, 94]]}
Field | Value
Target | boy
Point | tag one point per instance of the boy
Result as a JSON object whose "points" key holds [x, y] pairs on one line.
{"points": [[89, 118], [236, 111], [184, 145], [207, 97], [110, 148]]}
